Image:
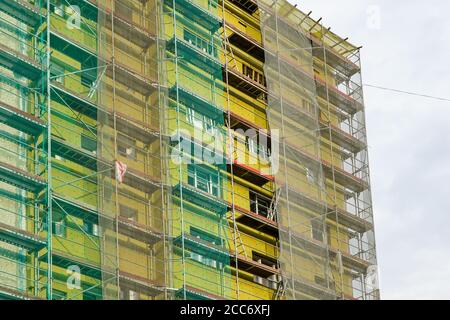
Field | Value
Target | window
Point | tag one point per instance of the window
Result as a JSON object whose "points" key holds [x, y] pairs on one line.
{"points": [[259, 204], [253, 74], [203, 180], [310, 176], [88, 144], [127, 212], [91, 228], [317, 230], [58, 8], [59, 225], [258, 148], [205, 236], [242, 24], [200, 43], [200, 121], [128, 294], [209, 125], [57, 73], [252, 145], [269, 283], [126, 147], [203, 260], [264, 152], [322, 282]]}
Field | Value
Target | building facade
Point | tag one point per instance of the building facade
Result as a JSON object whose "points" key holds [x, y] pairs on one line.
{"points": [[181, 149]]}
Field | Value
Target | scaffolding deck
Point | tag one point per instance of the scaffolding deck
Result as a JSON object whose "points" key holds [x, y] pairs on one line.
{"points": [[200, 198], [21, 238], [203, 17], [193, 55], [19, 63], [21, 179], [13, 294], [21, 120], [23, 11]]}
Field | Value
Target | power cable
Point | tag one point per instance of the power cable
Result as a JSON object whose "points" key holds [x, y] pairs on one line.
{"points": [[407, 92]]}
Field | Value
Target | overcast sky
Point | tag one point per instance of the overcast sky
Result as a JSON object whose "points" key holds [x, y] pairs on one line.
{"points": [[409, 137]]}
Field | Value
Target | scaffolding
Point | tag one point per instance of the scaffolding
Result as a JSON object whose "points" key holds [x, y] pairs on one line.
{"points": [[181, 149]]}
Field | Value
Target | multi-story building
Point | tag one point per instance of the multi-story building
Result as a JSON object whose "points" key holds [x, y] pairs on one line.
{"points": [[181, 149]]}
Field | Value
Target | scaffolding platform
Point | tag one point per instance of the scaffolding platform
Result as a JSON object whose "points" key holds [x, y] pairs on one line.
{"points": [[337, 98], [87, 268], [19, 63], [192, 293], [200, 198], [202, 247], [134, 128], [132, 79], [131, 31], [140, 284], [13, 294], [245, 42], [21, 238], [256, 221], [75, 208], [21, 120], [139, 231], [88, 213], [191, 99], [197, 13], [341, 176], [321, 249], [124, 75], [342, 138], [141, 181], [194, 55], [247, 172], [132, 178], [241, 82], [253, 267], [313, 289], [346, 218], [75, 154], [21, 179], [76, 102], [72, 48], [23, 11]]}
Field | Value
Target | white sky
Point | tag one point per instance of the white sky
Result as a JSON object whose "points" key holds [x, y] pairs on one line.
{"points": [[409, 137]]}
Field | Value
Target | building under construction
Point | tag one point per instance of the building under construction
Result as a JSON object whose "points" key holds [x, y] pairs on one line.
{"points": [[110, 115]]}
